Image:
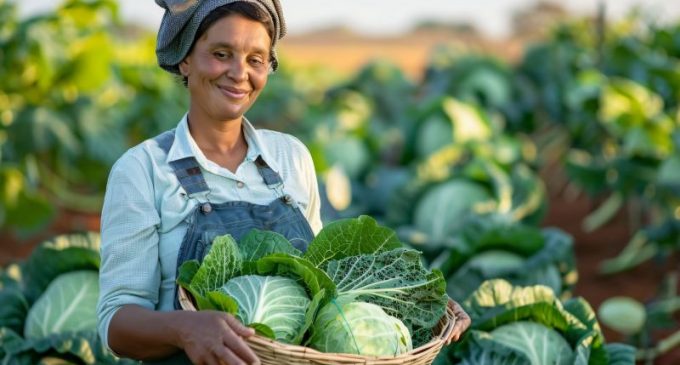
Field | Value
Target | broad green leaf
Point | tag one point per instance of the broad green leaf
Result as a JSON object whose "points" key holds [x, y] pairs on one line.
{"points": [[395, 280], [582, 310], [539, 344], [57, 256], [638, 250], [90, 62], [221, 302], [257, 244], [434, 133], [620, 354], [528, 256], [222, 263], [68, 305], [350, 237], [186, 273], [83, 346], [13, 309], [497, 303], [442, 209], [669, 171], [23, 208], [310, 315], [485, 265], [314, 279], [263, 330], [350, 153], [488, 352]]}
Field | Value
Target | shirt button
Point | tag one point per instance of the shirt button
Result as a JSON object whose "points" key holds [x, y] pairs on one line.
{"points": [[240, 184]]}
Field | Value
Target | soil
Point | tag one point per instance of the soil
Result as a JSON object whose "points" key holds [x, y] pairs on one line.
{"points": [[15, 247], [592, 248]]}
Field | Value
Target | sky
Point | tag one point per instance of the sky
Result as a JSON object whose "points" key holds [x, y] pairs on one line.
{"points": [[391, 17]]}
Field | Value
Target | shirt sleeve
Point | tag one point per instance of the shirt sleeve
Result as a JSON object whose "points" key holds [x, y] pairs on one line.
{"points": [[130, 269], [313, 211]]}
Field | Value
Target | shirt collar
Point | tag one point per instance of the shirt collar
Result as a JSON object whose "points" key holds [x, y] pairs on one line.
{"points": [[185, 146]]}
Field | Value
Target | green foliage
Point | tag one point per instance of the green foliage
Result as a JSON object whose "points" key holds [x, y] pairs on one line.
{"points": [[492, 247], [68, 305], [72, 98], [48, 304], [350, 237], [223, 262], [530, 325], [264, 282], [396, 281]]}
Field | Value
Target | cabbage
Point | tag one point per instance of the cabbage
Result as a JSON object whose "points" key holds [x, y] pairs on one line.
{"points": [[485, 265], [529, 325], [68, 305], [359, 328], [441, 210], [540, 344], [277, 302]]}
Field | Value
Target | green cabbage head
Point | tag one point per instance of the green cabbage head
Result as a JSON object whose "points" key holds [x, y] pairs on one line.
{"points": [[68, 305], [277, 302], [359, 328]]}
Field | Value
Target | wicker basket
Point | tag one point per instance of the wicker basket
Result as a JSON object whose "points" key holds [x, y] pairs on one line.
{"points": [[272, 352]]}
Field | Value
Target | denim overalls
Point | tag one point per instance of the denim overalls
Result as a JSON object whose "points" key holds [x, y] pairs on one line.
{"points": [[236, 218]]}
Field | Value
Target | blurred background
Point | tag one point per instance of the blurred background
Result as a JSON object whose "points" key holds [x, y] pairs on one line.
{"points": [[536, 141]]}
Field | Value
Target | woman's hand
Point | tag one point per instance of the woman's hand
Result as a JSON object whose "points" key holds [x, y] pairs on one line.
{"points": [[462, 323], [215, 338]]}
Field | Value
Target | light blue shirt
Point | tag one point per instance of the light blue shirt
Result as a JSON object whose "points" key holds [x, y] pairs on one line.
{"points": [[145, 212]]}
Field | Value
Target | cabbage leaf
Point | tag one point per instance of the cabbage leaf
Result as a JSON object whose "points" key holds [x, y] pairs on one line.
{"points": [[350, 237], [396, 281], [68, 305]]}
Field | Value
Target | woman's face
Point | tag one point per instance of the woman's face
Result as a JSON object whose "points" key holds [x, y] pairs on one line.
{"points": [[227, 68]]}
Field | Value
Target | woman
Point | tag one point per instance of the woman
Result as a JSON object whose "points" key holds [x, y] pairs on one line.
{"points": [[168, 197]]}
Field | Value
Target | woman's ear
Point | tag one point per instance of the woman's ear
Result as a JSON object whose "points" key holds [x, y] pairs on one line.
{"points": [[184, 68]]}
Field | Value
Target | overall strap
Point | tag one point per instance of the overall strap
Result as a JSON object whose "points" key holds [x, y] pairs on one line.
{"points": [[270, 177], [187, 170]]}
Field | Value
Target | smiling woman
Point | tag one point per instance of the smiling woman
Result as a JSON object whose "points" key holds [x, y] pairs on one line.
{"points": [[214, 174]]}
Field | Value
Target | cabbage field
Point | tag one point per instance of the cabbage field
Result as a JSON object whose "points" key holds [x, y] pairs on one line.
{"points": [[504, 177]]}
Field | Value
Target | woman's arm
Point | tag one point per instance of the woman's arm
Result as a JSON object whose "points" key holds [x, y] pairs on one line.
{"points": [[130, 279], [208, 337]]}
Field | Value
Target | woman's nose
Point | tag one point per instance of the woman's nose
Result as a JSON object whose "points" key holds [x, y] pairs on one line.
{"points": [[237, 70]]}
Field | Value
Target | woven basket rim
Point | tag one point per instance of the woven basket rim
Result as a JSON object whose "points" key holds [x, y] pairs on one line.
{"points": [[445, 327]]}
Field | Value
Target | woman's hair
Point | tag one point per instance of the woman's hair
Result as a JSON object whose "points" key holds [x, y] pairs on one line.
{"points": [[243, 8]]}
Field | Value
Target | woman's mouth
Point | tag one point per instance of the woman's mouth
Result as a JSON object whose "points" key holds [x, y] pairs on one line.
{"points": [[232, 92]]}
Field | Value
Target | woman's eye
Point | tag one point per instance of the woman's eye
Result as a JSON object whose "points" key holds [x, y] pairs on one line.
{"points": [[220, 54]]}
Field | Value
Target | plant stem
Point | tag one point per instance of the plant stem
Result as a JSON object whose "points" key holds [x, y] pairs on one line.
{"points": [[661, 348]]}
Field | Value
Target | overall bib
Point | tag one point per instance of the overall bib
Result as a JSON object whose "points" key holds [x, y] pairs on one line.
{"points": [[236, 218]]}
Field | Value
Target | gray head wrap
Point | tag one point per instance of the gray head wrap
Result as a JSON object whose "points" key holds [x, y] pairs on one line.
{"points": [[183, 17]]}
